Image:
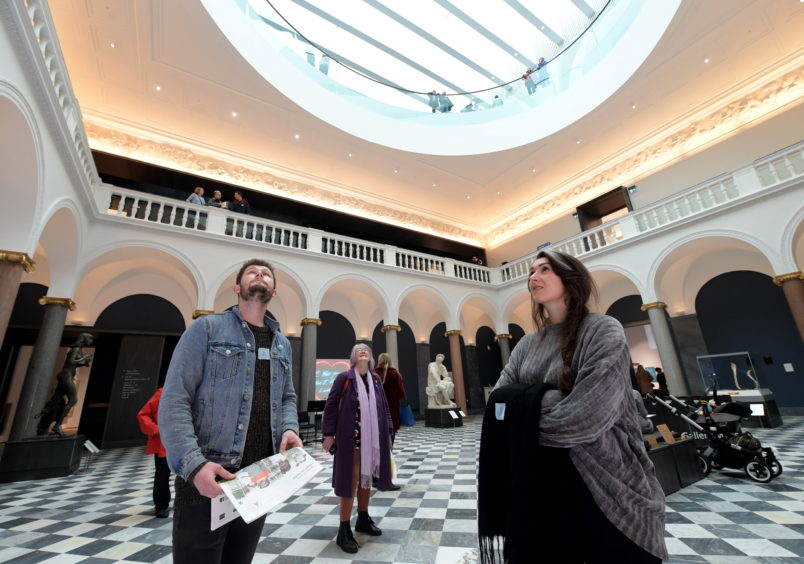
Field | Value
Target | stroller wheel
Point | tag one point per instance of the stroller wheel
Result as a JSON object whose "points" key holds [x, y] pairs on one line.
{"points": [[758, 472], [706, 467], [775, 467]]}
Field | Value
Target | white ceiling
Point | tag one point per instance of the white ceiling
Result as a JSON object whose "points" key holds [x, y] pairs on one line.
{"points": [[187, 124]]}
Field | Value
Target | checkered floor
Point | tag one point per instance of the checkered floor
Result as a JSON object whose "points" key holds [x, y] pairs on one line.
{"points": [[104, 514]]}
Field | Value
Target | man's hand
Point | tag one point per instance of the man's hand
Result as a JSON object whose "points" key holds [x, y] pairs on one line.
{"points": [[328, 442], [204, 480], [289, 440]]}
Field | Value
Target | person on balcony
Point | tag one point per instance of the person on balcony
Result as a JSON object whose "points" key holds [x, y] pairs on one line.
{"points": [[239, 204], [216, 201], [597, 491], [444, 103], [197, 197]]}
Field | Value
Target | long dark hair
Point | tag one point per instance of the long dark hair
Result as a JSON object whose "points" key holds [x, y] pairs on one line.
{"points": [[579, 288]]}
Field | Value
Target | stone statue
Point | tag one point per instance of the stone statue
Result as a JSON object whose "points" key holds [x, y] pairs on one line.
{"points": [[439, 385], [65, 396]]}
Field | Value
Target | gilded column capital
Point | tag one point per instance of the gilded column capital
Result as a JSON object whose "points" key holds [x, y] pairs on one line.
{"points": [[452, 332], [308, 320], [20, 258], [66, 302], [390, 328], [502, 336], [202, 312], [646, 307], [782, 278]]}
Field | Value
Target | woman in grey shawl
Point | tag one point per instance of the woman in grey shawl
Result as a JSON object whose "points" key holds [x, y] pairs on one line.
{"points": [[598, 494]]}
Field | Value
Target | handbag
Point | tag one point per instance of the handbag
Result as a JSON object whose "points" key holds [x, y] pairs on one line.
{"points": [[406, 415]]}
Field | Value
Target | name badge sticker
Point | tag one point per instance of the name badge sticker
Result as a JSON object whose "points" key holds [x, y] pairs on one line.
{"points": [[263, 353], [499, 411]]}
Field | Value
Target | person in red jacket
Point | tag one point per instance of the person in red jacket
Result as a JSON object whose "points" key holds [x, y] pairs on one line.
{"points": [[147, 418]]}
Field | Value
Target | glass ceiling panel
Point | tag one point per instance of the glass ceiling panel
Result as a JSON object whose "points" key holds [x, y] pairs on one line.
{"points": [[411, 48]]}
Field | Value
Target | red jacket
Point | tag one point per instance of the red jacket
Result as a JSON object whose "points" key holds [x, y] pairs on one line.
{"points": [[147, 418]]}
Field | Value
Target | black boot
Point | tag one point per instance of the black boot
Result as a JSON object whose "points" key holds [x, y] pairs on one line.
{"points": [[345, 538], [365, 524]]}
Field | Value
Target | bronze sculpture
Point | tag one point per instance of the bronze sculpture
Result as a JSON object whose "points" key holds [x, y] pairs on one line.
{"points": [[65, 396]]}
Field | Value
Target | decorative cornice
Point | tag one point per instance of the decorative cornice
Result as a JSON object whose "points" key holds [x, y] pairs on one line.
{"points": [[136, 143], [452, 332], [309, 320], [689, 136], [646, 307], [65, 302], [782, 278], [20, 258], [202, 312], [502, 336], [391, 328]]}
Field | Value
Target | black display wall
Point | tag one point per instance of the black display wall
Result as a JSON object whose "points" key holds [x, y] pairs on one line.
{"points": [[745, 311], [406, 350], [336, 337], [141, 312], [489, 357]]}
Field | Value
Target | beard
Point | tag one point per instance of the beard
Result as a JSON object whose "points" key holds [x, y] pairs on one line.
{"points": [[257, 292]]}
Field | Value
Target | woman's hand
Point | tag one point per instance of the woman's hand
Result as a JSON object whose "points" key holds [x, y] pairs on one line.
{"points": [[328, 442]]}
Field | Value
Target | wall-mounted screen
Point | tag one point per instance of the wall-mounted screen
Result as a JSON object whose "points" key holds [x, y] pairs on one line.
{"points": [[326, 369]]}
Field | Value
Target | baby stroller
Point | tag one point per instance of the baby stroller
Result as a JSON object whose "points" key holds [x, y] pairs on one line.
{"points": [[728, 446]]}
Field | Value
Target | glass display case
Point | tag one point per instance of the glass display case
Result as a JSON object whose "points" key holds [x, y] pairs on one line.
{"points": [[731, 371]]}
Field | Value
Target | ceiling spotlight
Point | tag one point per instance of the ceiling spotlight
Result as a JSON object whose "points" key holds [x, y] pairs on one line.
{"points": [[577, 141], [296, 136], [112, 45], [396, 170], [234, 114], [468, 197], [499, 193], [533, 170], [633, 106], [706, 60], [434, 184], [158, 88], [350, 155]]}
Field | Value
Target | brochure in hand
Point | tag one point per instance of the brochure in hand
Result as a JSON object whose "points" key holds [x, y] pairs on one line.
{"points": [[261, 486]]}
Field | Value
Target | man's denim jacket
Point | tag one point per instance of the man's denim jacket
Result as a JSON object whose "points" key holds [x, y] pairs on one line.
{"points": [[206, 402]]}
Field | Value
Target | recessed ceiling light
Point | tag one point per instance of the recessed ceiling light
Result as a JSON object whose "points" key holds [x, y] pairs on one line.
{"points": [[577, 141], [499, 193], [468, 197], [234, 114], [112, 45], [296, 136], [706, 60], [350, 155], [633, 106], [396, 170], [533, 170], [434, 185], [158, 88]]}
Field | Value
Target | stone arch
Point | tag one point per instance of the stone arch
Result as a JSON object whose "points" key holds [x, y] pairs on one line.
{"points": [[22, 164]]}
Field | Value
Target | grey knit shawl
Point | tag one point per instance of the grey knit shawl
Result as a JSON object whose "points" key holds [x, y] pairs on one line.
{"points": [[597, 421]]}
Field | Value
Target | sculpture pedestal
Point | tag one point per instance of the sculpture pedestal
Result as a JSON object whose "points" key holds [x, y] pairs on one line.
{"points": [[36, 458], [763, 406], [440, 417]]}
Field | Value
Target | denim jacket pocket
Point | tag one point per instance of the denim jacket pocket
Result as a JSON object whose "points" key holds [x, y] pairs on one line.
{"points": [[224, 360]]}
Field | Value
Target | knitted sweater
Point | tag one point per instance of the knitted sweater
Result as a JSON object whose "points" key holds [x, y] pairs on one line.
{"points": [[597, 421]]}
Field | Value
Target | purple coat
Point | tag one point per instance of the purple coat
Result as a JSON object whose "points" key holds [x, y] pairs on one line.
{"points": [[342, 427]]}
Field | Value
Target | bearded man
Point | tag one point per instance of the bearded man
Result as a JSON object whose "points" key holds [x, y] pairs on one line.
{"points": [[228, 402]]}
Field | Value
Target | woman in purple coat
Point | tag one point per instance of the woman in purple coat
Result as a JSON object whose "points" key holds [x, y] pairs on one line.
{"points": [[357, 421]]}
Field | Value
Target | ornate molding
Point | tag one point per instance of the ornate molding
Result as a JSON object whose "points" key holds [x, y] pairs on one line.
{"points": [[646, 307], [202, 312], [782, 278], [22, 259], [502, 336], [391, 328], [65, 302], [452, 332], [309, 320], [150, 147], [686, 138]]}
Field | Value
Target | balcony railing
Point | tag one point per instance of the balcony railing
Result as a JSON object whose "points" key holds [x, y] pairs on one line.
{"points": [[762, 175]]}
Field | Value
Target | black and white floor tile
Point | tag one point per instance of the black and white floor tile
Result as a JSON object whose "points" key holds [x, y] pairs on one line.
{"points": [[103, 513]]}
